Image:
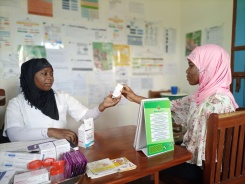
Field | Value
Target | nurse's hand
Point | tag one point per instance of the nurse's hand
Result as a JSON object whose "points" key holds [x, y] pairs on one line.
{"points": [[109, 102], [63, 134]]}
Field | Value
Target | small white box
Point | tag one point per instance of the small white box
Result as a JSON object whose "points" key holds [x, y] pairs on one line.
{"points": [[86, 133], [61, 146], [33, 177], [47, 150], [16, 161], [117, 91], [6, 177]]}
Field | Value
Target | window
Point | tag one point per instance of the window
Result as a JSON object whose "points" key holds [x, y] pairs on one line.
{"points": [[238, 52]]}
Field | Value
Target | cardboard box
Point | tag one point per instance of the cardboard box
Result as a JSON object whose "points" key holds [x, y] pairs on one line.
{"points": [[6, 177], [33, 177], [61, 146], [47, 150], [86, 133]]}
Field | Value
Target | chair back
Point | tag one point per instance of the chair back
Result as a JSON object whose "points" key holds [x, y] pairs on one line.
{"points": [[225, 148], [2, 97], [157, 94]]}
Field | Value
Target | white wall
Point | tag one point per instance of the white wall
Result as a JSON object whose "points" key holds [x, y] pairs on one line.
{"points": [[183, 15], [199, 14]]}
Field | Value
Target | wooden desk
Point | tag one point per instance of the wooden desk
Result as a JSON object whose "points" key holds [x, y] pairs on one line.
{"points": [[118, 142]]}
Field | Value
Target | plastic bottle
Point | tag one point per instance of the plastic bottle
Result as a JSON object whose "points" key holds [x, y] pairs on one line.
{"points": [[34, 165], [47, 163], [58, 163], [56, 174]]}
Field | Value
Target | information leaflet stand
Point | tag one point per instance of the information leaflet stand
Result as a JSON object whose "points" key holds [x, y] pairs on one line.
{"points": [[154, 133]]}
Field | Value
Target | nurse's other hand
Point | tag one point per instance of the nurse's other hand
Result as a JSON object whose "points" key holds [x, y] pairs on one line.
{"points": [[63, 134], [109, 102]]}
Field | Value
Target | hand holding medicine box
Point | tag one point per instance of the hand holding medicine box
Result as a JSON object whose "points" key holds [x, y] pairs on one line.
{"points": [[86, 133]]}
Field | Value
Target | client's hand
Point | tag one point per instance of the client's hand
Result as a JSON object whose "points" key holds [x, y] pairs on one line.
{"points": [[109, 102], [63, 134], [128, 93]]}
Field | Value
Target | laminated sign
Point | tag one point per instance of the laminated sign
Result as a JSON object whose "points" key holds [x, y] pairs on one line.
{"points": [[154, 133]]}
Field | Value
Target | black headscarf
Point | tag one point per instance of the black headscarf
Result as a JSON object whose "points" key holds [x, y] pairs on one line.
{"points": [[42, 100]]}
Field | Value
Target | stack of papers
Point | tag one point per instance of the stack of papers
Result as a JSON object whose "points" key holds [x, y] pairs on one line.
{"points": [[106, 166]]}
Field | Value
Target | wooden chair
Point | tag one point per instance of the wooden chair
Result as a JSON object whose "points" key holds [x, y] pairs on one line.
{"points": [[157, 94], [225, 149], [2, 103], [2, 97]]}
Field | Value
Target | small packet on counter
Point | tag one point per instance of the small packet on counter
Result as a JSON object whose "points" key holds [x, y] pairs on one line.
{"points": [[86, 133], [7, 177], [61, 146], [16, 161], [47, 150], [33, 177]]}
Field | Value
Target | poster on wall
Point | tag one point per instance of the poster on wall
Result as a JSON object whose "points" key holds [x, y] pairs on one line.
{"points": [[27, 52], [27, 31], [103, 55], [147, 61], [80, 55], [215, 35], [67, 9], [151, 33], [5, 33], [9, 65], [147, 65], [97, 34], [41, 7], [121, 55], [116, 21], [53, 38], [193, 40], [169, 40], [90, 9], [135, 31], [116, 29]]}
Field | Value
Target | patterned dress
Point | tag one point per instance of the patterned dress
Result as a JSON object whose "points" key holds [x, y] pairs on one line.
{"points": [[194, 118]]}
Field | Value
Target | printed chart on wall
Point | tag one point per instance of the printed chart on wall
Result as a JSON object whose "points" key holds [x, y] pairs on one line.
{"points": [[68, 8], [10, 66], [27, 52], [151, 33], [215, 35], [27, 31], [116, 29], [121, 55], [41, 7], [90, 9], [147, 62], [79, 48], [135, 31], [193, 40], [5, 39], [53, 36], [116, 21], [103, 55]]}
